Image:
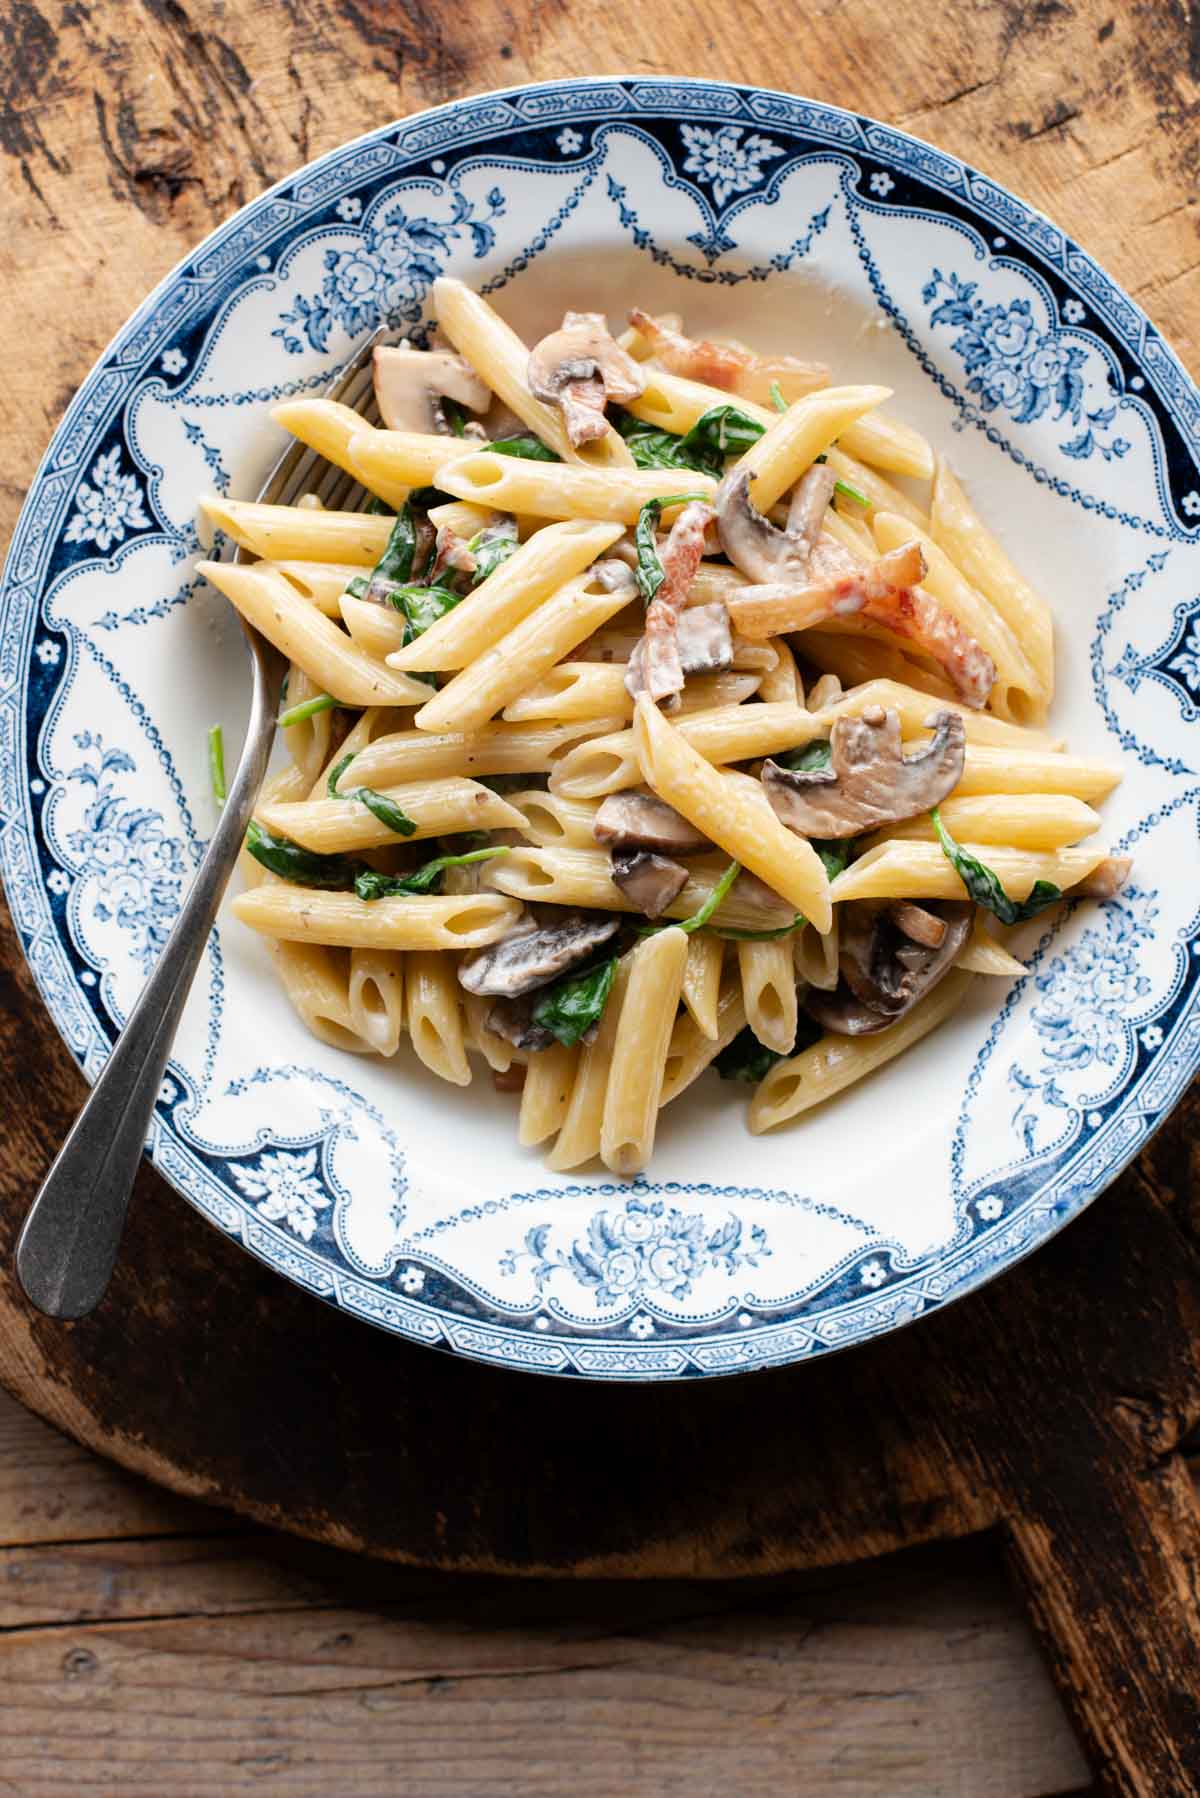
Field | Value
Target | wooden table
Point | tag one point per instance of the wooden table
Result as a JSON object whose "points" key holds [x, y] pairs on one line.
{"points": [[151, 1645]]}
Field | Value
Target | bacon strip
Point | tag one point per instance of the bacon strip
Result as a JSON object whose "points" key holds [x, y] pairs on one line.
{"points": [[888, 593], [727, 365], [654, 666]]}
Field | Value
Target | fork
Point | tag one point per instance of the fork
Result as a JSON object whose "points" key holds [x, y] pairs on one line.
{"points": [[68, 1245]]}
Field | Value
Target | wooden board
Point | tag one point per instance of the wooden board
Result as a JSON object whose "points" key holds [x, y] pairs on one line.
{"points": [[1051, 1407]]}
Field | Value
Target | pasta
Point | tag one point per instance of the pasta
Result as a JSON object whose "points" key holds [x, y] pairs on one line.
{"points": [[688, 731]]}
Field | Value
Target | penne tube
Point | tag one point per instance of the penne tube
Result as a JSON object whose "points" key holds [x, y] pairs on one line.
{"points": [[597, 689], [497, 749], [644, 1027], [851, 530], [300, 533], [546, 1094], [903, 870], [583, 877], [500, 358], [1018, 693], [957, 527], [316, 981], [497, 1051], [815, 957], [322, 583], [551, 822], [463, 519], [1021, 820], [835, 1062], [674, 403], [443, 807], [982, 954], [617, 645], [376, 629], [993, 768], [338, 748], [702, 981], [302, 915], [434, 1014], [505, 599], [329, 428], [769, 992], [376, 997], [399, 460], [881, 494], [826, 694], [579, 1139], [557, 490], [530, 649], [740, 822], [858, 656], [327, 655], [309, 741], [713, 580], [692, 1049], [781, 685], [794, 439]]}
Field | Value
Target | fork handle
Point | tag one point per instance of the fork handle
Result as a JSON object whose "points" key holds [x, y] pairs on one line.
{"points": [[68, 1246]]}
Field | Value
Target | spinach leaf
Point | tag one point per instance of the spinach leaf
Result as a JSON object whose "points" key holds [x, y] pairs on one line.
{"points": [[303, 867], [530, 447], [650, 573], [777, 399], [571, 1006], [720, 432], [809, 756], [984, 887], [308, 708], [374, 506], [385, 809], [216, 763], [455, 416], [422, 606], [396, 562], [491, 546], [370, 884], [762, 936], [747, 1059], [335, 774], [834, 853]]}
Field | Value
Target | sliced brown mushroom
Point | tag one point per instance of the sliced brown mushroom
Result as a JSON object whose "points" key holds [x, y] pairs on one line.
{"points": [[410, 386], [759, 548], [727, 365], [869, 780], [647, 880], [919, 925], [640, 820], [1105, 879], [884, 969], [579, 369], [527, 959], [615, 576], [512, 1019], [704, 639]]}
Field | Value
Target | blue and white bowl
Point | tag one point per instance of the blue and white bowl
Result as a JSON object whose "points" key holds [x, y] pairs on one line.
{"points": [[409, 1203]]}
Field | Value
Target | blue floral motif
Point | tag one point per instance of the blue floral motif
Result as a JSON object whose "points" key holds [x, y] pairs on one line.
{"points": [[1014, 365], [137, 868], [385, 277], [727, 160], [645, 1248], [110, 508], [1081, 1016], [288, 1189]]}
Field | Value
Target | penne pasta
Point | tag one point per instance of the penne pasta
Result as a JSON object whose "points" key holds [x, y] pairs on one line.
{"points": [[692, 1049], [497, 749], [769, 992], [781, 685], [1022, 820], [794, 1086], [400, 460], [505, 599], [702, 981], [644, 1027], [982, 954], [329, 428], [957, 527], [476, 693], [436, 807], [550, 821], [322, 583], [546, 1094], [881, 494], [792, 441], [904, 870], [740, 823], [992, 768], [300, 915], [578, 1140], [376, 997], [434, 1016], [583, 877], [299, 533], [597, 689], [327, 655], [376, 629], [316, 981], [558, 490]]}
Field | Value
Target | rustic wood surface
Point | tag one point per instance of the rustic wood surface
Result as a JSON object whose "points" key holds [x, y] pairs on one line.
{"points": [[1050, 1408]]}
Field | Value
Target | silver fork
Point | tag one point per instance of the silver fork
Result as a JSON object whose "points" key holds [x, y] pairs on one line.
{"points": [[68, 1246]]}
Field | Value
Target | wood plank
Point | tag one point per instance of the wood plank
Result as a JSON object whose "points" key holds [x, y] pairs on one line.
{"points": [[913, 1677]]}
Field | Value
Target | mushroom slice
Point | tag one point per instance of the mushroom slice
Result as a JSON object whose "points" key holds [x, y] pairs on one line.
{"points": [[759, 548], [649, 881], [917, 924], [883, 971], [512, 1020], [523, 961], [869, 780], [1105, 879], [727, 365], [579, 369], [639, 820], [410, 386], [656, 667], [615, 576], [704, 639]]}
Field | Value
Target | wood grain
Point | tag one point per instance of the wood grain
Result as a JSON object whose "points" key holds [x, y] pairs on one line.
{"points": [[1051, 1406]]}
